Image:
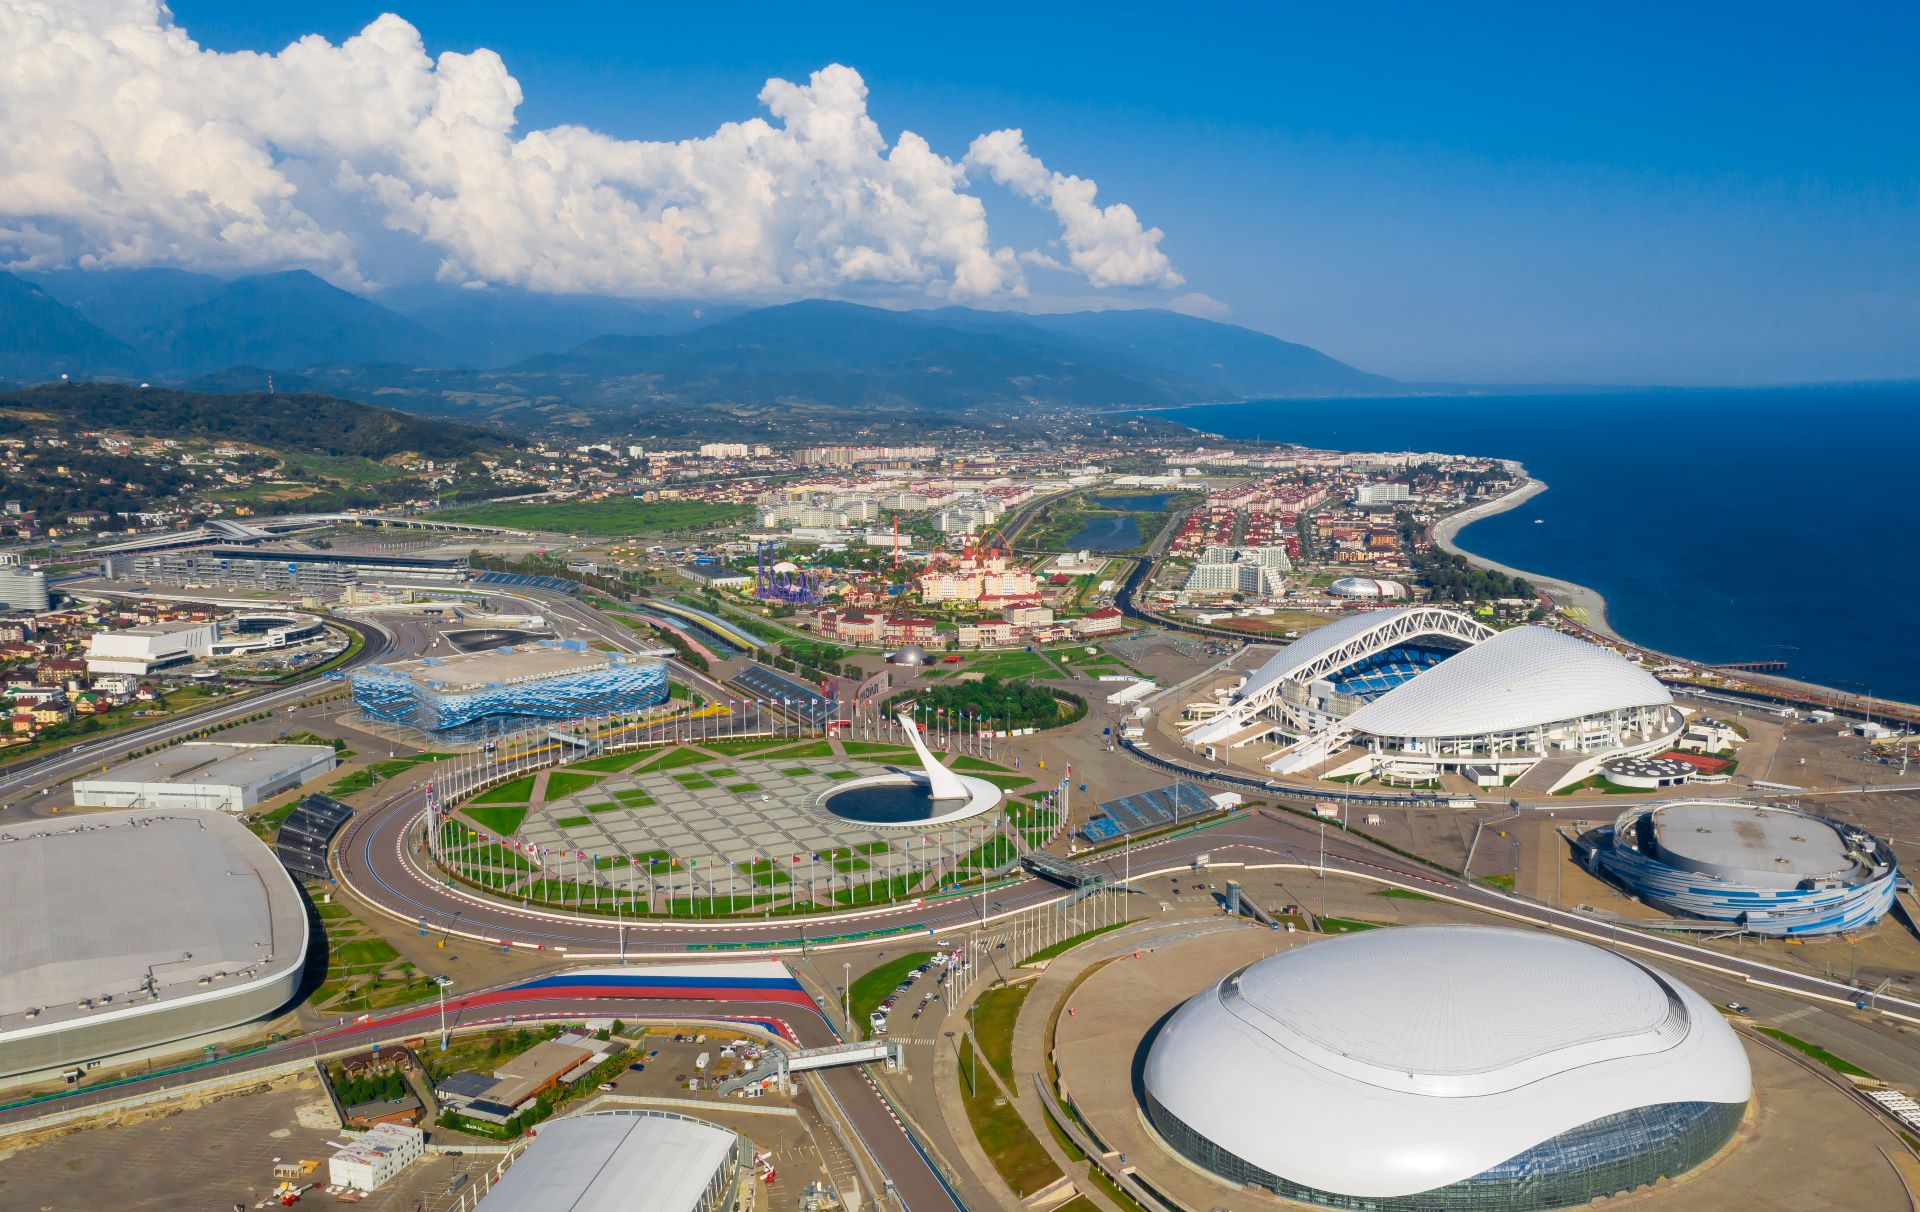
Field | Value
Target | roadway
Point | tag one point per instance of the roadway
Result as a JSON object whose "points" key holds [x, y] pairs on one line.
{"points": [[380, 860], [50, 769]]}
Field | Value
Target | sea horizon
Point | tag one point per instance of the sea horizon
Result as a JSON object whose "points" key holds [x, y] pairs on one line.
{"points": [[1720, 525]]}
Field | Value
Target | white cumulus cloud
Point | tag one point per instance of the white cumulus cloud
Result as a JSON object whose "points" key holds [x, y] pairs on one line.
{"points": [[1106, 244], [123, 142]]}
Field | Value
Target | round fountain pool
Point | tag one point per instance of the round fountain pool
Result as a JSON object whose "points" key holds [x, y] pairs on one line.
{"points": [[901, 800]]}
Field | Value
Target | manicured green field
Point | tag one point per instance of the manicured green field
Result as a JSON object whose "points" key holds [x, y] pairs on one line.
{"points": [[608, 517], [566, 782], [518, 791], [500, 820]]}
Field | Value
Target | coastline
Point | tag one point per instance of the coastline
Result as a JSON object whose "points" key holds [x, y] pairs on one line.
{"points": [[1581, 605]]}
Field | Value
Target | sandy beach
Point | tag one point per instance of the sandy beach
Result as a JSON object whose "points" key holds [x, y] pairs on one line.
{"points": [[1579, 603]]}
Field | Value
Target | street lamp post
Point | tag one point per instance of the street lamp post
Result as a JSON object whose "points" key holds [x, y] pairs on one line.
{"points": [[441, 982], [846, 995]]}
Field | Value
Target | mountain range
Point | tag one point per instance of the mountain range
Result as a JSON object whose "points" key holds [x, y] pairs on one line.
{"points": [[585, 362]]}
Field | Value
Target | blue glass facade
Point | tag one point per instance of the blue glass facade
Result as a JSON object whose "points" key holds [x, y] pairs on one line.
{"points": [[1817, 907], [1604, 1157], [399, 697]]}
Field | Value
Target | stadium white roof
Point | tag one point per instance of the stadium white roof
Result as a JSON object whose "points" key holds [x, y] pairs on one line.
{"points": [[1396, 1061], [1517, 679], [614, 1161], [97, 904]]}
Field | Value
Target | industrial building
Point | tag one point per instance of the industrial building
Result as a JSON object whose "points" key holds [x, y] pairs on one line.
{"points": [[1766, 868], [142, 650], [1442, 1068], [551, 679], [129, 933], [217, 776], [624, 1161], [1413, 694], [280, 570]]}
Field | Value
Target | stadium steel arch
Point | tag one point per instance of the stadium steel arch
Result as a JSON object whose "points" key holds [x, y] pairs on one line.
{"points": [[1330, 649]]}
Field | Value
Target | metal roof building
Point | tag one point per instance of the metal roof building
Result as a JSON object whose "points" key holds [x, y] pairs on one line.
{"points": [[1446, 1067], [624, 1161], [128, 931], [1770, 869], [214, 775]]}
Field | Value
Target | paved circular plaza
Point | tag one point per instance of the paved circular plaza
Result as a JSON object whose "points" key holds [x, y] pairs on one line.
{"points": [[738, 822]]}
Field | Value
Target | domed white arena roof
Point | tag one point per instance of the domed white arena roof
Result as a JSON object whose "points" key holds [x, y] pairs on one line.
{"points": [[1399, 1060], [1516, 679]]}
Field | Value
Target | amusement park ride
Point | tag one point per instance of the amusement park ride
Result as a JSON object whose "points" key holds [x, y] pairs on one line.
{"points": [[783, 580]]}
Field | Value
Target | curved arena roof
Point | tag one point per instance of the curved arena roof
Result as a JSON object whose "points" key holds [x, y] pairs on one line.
{"points": [[1398, 1061], [1517, 679], [132, 915]]}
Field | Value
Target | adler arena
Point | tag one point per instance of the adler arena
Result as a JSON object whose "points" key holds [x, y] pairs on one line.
{"points": [[1442, 1068], [130, 931], [1770, 870], [1409, 694]]}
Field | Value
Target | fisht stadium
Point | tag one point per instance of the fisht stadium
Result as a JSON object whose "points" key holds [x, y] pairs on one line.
{"points": [[1407, 695], [129, 932], [1446, 1069], [549, 679], [1767, 869]]}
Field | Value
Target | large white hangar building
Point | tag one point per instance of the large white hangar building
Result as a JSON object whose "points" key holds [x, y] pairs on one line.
{"points": [[1446, 1069], [126, 932], [1407, 695]]}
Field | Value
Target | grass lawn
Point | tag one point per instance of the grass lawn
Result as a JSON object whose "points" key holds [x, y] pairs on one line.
{"points": [[498, 819], [1347, 925], [359, 780], [869, 988], [573, 822], [1403, 894], [765, 873], [608, 517], [693, 782], [518, 791], [812, 749], [1846, 1067], [967, 761], [1017, 1154], [1006, 782], [633, 799], [613, 763], [744, 745], [366, 952], [837, 775], [1067, 944], [994, 1013], [1013, 666], [743, 788], [566, 782], [858, 747]]}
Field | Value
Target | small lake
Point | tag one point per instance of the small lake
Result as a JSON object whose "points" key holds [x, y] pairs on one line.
{"points": [[1107, 532], [1152, 504]]}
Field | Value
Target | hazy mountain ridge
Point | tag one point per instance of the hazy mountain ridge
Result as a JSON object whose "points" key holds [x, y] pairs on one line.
{"points": [[640, 360]]}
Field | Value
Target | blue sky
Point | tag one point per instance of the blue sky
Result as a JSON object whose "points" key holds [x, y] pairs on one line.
{"points": [[1676, 193]]}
